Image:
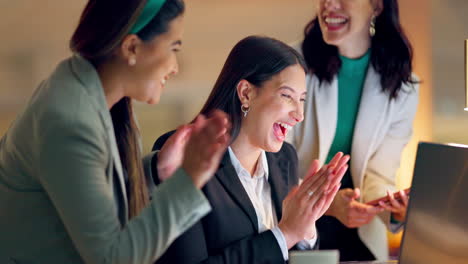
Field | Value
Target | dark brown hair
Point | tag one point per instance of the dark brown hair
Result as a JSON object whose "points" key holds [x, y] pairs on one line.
{"points": [[102, 27], [391, 51]]}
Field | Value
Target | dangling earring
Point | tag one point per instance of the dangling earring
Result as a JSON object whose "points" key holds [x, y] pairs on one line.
{"points": [[372, 27], [132, 61], [245, 109]]}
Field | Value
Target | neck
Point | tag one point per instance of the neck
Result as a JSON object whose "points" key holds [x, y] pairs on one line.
{"points": [[247, 154], [111, 82], [355, 49]]}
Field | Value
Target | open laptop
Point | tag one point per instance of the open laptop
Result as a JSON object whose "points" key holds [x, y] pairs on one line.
{"points": [[436, 229]]}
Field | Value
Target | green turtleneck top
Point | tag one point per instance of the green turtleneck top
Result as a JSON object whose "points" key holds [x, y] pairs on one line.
{"points": [[351, 77]]}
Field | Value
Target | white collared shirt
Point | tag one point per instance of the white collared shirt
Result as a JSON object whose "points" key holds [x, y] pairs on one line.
{"points": [[259, 191]]}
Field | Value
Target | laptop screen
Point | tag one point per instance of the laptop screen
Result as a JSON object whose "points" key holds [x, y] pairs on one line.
{"points": [[436, 229]]}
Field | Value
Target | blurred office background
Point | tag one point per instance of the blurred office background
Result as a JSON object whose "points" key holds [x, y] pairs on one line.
{"points": [[34, 38]]}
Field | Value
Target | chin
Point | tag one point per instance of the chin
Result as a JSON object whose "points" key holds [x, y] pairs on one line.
{"points": [[274, 147], [333, 40], [154, 100], [335, 37]]}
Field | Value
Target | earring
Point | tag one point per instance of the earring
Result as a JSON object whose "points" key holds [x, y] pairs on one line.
{"points": [[245, 109], [372, 27], [132, 61]]}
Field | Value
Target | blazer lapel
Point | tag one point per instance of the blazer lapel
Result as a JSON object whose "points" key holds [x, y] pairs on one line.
{"points": [[371, 113], [118, 169], [326, 101], [278, 179], [228, 177], [88, 76]]}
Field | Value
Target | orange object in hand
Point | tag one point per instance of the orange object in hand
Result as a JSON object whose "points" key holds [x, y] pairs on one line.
{"points": [[396, 195]]}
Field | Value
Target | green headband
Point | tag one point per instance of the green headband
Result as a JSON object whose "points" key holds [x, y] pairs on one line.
{"points": [[150, 10]]}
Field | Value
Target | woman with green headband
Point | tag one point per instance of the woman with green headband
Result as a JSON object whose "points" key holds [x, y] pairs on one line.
{"points": [[72, 186]]}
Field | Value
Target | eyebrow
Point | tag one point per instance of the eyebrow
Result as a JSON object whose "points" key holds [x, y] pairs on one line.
{"points": [[177, 42], [291, 89]]}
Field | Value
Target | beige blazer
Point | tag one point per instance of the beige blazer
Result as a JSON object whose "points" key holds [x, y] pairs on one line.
{"points": [[382, 130], [62, 192]]}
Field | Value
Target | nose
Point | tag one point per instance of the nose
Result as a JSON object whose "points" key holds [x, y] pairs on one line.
{"points": [[298, 113], [332, 4], [175, 70]]}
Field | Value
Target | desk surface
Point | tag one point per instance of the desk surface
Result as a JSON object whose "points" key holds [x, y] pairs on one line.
{"points": [[370, 262]]}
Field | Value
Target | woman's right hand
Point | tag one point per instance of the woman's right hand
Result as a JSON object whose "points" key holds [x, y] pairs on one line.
{"points": [[208, 141], [309, 201], [349, 211]]}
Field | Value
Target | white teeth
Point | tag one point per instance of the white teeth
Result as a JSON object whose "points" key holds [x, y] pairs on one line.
{"points": [[286, 126], [335, 20]]}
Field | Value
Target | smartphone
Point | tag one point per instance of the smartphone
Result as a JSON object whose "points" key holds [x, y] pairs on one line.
{"points": [[385, 198]]}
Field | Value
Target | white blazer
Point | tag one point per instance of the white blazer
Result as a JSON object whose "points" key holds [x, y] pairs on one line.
{"points": [[383, 128]]}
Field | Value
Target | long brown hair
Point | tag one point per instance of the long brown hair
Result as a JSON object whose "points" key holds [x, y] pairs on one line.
{"points": [[102, 27]]}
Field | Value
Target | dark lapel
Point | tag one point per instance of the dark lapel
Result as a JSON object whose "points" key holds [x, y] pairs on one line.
{"points": [[228, 177], [278, 169]]}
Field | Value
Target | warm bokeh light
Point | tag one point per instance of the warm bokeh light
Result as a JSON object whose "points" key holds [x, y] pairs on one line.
{"points": [[418, 27], [466, 74], [394, 243]]}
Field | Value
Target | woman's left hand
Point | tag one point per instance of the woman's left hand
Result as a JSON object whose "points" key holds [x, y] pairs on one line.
{"points": [[339, 166], [172, 153], [397, 207]]}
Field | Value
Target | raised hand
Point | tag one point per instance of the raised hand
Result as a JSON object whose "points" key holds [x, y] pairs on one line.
{"points": [[339, 166], [299, 213], [205, 147], [172, 153], [308, 202]]}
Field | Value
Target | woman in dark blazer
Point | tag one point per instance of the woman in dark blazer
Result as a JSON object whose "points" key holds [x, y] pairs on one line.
{"points": [[72, 188], [254, 219]]}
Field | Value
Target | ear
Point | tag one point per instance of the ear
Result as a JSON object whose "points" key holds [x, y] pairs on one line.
{"points": [[378, 7], [130, 48], [245, 91]]}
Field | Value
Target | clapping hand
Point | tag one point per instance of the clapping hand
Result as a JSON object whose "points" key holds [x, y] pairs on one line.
{"points": [[207, 143], [306, 203], [172, 153]]}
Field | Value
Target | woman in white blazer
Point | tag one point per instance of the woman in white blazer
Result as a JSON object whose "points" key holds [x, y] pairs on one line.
{"points": [[72, 187], [362, 99]]}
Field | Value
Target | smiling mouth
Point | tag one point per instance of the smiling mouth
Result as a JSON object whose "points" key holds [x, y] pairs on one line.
{"points": [[334, 23], [280, 130]]}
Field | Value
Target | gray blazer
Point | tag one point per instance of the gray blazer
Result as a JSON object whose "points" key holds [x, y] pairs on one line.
{"points": [[62, 193], [382, 130]]}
